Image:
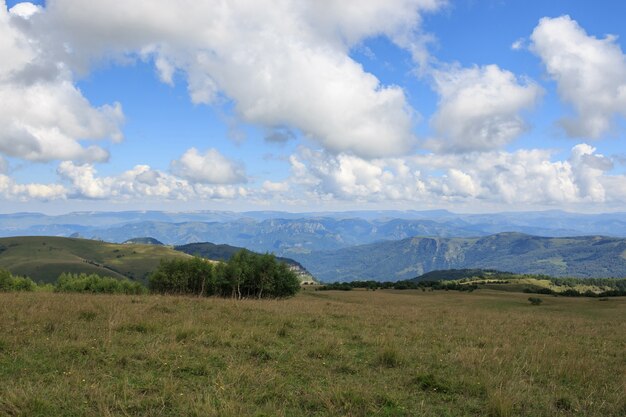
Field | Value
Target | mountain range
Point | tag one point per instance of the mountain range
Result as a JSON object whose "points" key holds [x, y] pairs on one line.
{"points": [[340, 246], [287, 233], [583, 256]]}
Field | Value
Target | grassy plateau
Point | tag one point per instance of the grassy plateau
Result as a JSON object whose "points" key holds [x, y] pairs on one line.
{"points": [[355, 353]]}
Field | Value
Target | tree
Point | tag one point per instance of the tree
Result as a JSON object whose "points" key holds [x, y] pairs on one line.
{"points": [[245, 275]]}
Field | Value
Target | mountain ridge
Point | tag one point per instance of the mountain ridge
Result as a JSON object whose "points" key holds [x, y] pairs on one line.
{"points": [[578, 256]]}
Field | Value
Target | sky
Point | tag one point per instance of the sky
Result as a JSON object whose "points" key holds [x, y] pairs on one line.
{"points": [[311, 105]]}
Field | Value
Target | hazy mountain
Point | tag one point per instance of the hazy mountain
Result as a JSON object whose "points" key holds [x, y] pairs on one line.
{"points": [[590, 256], [281, 236], [288, 234], [336, 229]]}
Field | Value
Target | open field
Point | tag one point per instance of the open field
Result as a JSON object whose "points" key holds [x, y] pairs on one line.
{"points": [[356, 353]]}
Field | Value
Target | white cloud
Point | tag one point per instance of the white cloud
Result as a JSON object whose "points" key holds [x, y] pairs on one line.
{"points": [[346, 177], [525, 177], [590, 74], [210, 168], [283, 63], [25, 9], [479, 108], [43, 115], [10, 190], [139, 183], [275, 187], [518, 44]]}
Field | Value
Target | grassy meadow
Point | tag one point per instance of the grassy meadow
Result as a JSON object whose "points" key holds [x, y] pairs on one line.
{"points": [[355, 353]]}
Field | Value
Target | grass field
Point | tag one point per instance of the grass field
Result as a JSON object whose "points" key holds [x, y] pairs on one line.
{"points": [[356, 353]]}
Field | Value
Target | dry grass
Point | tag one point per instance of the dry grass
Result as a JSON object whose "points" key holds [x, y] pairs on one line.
{"points": [[353, 353]]}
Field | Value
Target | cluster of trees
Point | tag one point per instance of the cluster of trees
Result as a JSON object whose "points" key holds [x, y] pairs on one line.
{"points": [[97, 284], [614, 287], [398, 285], [245, 275], [10, 282], [571, 292]]}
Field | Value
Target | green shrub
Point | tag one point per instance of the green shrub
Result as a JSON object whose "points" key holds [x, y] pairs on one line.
{"points": [[96, 284], [535, 300], [9, 282]]}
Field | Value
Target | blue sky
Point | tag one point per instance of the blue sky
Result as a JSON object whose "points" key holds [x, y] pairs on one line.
{"points": [[472, 106]]}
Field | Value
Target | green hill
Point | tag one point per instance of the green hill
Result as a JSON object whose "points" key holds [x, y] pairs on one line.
{"points": [[45, 258], [508, 281], [457, 274], [222, 252], [143, 241]]}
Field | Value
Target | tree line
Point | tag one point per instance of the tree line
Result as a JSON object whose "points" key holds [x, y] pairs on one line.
{"points": [[245, 275]]}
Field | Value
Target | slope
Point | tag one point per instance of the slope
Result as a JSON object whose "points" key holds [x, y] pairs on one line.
{"points": [[45, 258]]}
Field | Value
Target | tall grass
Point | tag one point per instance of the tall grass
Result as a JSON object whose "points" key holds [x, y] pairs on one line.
{"points": [[356, 353]]}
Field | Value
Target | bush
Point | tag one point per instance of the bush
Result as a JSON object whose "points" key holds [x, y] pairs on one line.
{"points": [[535, 301], [96, 284], [9, 282]]}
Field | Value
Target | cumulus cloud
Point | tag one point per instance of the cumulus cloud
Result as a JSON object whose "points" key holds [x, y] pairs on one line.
{"points": [[590, 74], [282, 63], [528, 177], [141, 182], [11, 190], [479, 108], [210, 168], [275, 187], [43, 115]]}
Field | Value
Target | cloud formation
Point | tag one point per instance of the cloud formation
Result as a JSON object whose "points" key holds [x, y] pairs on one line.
{"points": [[590, 74], [479, 108], [525, 177], [140, 183], [282, 63], [43, 115], [209, 168], [10, 190]]}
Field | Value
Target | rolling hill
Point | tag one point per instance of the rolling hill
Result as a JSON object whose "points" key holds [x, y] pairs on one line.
{"points": [[45, 258], [225, 252], [585, 257]]}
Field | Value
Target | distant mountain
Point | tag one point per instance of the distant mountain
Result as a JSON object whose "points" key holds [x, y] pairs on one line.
{"points": [[290, 234], [225, 252], [587, 256], [142, 241], [281, 236]]}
